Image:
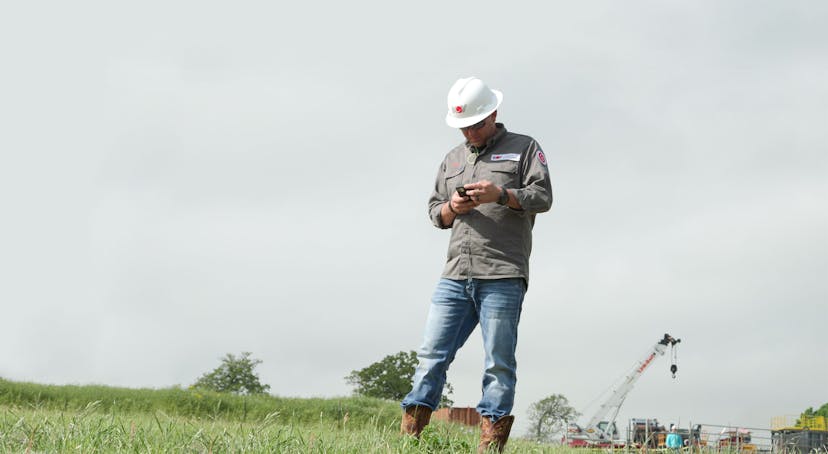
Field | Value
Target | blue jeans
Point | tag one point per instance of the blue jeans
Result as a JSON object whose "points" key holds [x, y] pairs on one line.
{"points": [[457, 307]]}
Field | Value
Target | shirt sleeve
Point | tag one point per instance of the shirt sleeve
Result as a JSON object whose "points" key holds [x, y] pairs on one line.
{"points": [[438, 198], [535, 194]]}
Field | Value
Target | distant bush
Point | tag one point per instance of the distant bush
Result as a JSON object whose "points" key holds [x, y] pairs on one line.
{"points": [[391, 378], [821, 411], [234, 375]]}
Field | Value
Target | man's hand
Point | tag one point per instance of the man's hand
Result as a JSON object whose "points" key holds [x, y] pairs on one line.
{"points": [[457, 205], [460, 204], [483, 191]]}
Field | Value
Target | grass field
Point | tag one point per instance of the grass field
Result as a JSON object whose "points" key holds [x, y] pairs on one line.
{"points": [[88, 419]]}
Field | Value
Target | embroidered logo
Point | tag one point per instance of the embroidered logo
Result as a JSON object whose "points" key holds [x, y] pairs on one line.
{"points": [[541, 157]]}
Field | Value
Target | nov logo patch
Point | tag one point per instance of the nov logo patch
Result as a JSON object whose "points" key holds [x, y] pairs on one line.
{"points": [[506, 157]]}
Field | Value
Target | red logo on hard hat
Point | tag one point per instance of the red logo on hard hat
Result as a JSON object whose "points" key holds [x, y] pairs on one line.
{"points": [[541, 157], [458, 109]]}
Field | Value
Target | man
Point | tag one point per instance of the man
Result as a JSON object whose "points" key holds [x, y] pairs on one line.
{"points": [[487, 192], [673, 441]]}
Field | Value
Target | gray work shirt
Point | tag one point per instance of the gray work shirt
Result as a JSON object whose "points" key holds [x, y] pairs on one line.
{"points": [[493, 241]]}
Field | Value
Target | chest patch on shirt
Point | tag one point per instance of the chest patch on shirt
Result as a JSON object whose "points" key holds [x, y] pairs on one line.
{"points": [[506, 157]]}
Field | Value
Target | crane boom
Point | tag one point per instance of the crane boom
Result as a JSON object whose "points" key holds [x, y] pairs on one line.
{"points": [[612, 406]]}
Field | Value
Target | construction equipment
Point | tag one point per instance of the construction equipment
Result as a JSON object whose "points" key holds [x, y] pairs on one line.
{"points": [[601, 431], [735, 440], [646, 433], [805, 433]]}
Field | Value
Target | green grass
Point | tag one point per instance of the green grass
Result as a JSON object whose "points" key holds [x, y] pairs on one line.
{"points": [[89, 419], [193, 403]]}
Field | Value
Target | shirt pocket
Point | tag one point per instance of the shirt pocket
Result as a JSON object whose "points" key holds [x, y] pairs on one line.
{"points": [[454, 178], [504, 173]]}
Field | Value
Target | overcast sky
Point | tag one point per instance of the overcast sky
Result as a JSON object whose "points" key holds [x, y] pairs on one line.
{"points": [[182, 180]]}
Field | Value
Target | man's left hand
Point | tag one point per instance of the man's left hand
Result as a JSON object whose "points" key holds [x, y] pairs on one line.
{"points": [[483, 191]]}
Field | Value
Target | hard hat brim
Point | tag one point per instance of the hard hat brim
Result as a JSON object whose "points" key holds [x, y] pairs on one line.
{"points": [[463, 122]]}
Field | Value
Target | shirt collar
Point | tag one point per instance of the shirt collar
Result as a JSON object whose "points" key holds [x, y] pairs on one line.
{"points": [[499, 133]]}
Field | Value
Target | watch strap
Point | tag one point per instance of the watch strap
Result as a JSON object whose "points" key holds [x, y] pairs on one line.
{"points": [[504, 197]]}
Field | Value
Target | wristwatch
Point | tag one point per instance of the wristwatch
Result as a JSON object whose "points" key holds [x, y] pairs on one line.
{"points": [[504, 197]]}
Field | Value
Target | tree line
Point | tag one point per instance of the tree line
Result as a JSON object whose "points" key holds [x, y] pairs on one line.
{"points": [[391, 378]]}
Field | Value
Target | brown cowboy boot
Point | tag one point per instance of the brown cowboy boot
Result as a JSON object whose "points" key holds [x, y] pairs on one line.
{"points": [[414, 419], [494, 434]]}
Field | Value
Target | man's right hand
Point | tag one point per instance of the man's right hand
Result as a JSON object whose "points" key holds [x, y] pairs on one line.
{"points": [[457, 205], [460, 204]]}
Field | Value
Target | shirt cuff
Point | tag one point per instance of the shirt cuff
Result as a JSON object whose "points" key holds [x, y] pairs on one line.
{"points": [[437, 218]]}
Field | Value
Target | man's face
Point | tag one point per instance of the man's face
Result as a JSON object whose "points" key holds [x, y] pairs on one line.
{"points": [[477, 134]]}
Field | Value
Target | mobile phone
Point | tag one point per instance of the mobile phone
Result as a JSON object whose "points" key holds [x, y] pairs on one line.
{"points": [[461, 190]]}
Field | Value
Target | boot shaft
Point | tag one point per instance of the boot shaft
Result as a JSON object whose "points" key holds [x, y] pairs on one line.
{"points": [[414, 419], [494, 434]]}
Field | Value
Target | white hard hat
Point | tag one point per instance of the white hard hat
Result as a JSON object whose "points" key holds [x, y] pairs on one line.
{"points": [[469, 101]]}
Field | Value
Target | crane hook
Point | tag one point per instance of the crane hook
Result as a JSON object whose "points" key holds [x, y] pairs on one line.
{"points": [[673, 357]]}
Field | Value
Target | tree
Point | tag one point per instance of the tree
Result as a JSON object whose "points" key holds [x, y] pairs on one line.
{"points": [[234, 375], [549, 417], [391, 378], [822, 411]]}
